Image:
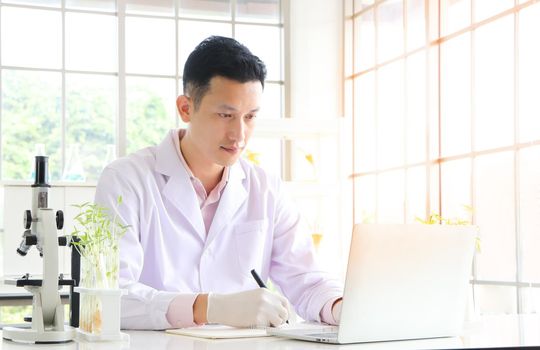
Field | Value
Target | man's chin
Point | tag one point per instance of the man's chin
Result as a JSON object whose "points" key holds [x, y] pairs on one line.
{"points": [[228, 161]]}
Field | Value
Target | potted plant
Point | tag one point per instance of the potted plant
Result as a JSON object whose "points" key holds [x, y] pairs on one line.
{"points": [[98, 233]]}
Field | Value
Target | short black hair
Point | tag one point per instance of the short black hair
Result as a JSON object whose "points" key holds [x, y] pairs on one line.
{"points": [[219, 56]]}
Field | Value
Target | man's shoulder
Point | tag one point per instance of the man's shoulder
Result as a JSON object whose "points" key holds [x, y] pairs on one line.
{"points": [[258, 175], [140, 161]]}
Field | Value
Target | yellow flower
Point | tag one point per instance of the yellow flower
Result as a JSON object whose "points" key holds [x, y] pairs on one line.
{"points": [[309, 158], [252, 157]]}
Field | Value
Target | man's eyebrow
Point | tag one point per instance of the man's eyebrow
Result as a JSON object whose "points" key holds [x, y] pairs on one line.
{"points": [[227, 107]]}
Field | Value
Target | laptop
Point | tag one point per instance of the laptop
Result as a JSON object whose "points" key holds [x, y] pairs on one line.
{"points": [[403, 282]]}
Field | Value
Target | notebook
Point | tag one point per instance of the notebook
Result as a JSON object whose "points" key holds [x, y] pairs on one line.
{"points": [[214, 331]]}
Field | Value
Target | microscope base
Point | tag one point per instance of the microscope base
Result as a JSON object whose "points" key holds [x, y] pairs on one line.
{"points": [[29, 335]]}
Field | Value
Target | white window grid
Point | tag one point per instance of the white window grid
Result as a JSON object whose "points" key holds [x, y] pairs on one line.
{"points": [[120, 13]]}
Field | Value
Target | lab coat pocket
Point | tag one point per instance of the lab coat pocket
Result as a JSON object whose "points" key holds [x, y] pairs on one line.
{"points": [[250, 240]]}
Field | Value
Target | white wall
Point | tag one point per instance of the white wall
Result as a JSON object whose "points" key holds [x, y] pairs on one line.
{"points": [[17, 199], [315, 55], [315, 80]]}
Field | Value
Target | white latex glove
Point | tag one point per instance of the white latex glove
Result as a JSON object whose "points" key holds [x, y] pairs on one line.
{"points": [[257, 307]]}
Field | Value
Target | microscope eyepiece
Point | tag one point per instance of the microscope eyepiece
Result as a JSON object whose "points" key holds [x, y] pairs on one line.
{"points": [[42, 172]]}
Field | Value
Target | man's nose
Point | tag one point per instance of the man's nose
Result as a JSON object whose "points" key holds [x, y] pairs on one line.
{"points": [[238, 130]]}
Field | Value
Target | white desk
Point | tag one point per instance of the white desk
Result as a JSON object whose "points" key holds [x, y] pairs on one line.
{"points": [[488, 331]]}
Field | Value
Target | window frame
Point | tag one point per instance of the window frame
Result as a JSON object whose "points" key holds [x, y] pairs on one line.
{"points": [[434, 158]]}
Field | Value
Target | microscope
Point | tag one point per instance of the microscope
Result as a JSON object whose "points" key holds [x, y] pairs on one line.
{"points": [[41, 224]]}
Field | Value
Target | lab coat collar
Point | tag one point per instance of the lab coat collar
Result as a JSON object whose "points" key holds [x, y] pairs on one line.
{"points": [[167, 160], [179, 189]]}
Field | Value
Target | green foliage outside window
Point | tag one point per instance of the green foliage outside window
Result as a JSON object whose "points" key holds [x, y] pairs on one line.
{"points": [[148, 118], [32, 114]]}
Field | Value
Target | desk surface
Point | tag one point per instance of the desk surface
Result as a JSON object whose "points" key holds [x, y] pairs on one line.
{"points": [[487, 331]]}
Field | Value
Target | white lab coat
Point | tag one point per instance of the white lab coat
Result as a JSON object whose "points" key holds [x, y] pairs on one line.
{"points": [[167, 251]]}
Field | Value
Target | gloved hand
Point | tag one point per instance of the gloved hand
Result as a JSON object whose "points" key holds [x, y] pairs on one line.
{"points": [[257, 307]]}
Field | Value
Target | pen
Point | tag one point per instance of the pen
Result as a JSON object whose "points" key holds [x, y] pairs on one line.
{"points": [[260, 282], [257, 279]]}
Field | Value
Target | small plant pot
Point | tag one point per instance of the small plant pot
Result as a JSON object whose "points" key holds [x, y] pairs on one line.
{"points": [[99, 314]]}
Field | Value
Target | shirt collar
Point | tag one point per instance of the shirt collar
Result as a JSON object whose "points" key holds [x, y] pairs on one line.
{"points": [[169, 159]]}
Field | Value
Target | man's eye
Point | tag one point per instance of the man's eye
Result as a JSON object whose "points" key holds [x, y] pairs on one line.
{"points": [[250, 116], [225, 115]]}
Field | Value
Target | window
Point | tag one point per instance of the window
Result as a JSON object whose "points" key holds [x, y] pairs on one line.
{"points": [[91, 82], [445, 116], [85, 81]]}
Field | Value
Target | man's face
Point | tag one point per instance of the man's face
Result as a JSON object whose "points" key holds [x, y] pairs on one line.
{"points": [[224, 121]]}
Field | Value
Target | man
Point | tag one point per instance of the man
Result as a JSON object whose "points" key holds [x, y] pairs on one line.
{"points": [[202, 218]]}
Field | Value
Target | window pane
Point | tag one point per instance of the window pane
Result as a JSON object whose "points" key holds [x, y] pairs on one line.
{"points": [[434, 187], [362, 4], [416, 24], [151, 111], [99, 5], [94, 50], [391, 197], [365, 197], [530, 303], [31, 115], [191, 33], [265, 152], [365, 131], [529, 209], [495, 299], [456, 96], [455, 15], [145, 54], [494, 82], [306, 160], [529, 74], [456, 189], [349, 7], [390, 30], [494, 209], [314, 159], [434, 126], [348, 47], [390, 116], [50, 3], [271, 105], [264, 42], [258, 11], [91, 104], [321, 214], [211, 9], [487, 8], [155, 7], [31, 38], [416, 194], [364, 41], [416, 108]]}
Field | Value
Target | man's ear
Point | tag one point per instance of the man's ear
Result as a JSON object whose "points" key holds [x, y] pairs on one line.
{"points": [[185, 107]]}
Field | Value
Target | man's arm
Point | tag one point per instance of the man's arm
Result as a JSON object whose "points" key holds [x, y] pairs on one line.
{"points": [[307, 285]]}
